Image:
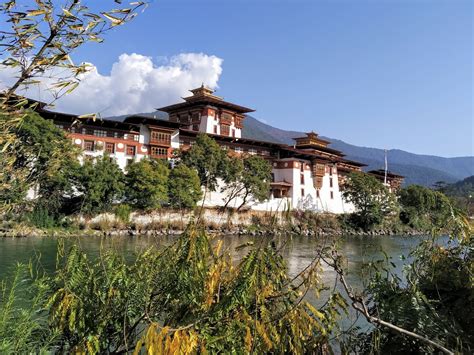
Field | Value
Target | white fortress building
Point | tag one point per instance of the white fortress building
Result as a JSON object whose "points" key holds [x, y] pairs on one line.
{"points": [[307, 175]]}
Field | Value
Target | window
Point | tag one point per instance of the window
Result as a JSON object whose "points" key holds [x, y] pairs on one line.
{"points": [[161, 137], [120, 135], [89, 146], [233, 133], [330, 182], [332, 195], [60, 126], [252, 151], [302, 179], [156, 151], [264, 152], [215, 129], [225, 130], [111, 134], [100, 133], [89, 131], [317, 193], [131, 150], [330, 171], [195, 127], [238, 149], [132, 137], [110, 147], [302, 192]]}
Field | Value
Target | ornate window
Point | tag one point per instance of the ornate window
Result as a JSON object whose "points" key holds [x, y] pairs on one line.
{"points": [[89, 146], [100, 133], [225, 130], [110, 147], [161, 137], [131, 149], [156, 151]]}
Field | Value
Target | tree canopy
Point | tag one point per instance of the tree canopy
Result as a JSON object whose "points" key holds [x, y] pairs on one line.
{"points": [[184, 187], [372, 199], [99, 185], [147, 183], [208, 159]]}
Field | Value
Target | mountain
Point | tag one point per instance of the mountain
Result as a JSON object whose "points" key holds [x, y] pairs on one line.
{"points": [[463, 188], [419, 169]]}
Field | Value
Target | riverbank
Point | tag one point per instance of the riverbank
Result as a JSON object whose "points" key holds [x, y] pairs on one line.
{"points": [[173, 222]]}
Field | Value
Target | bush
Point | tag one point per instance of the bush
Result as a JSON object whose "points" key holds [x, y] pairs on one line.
{"points": [[123, 212], [41, 218]]}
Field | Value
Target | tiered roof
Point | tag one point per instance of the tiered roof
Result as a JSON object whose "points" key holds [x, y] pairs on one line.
{"points": [[205, 96]]}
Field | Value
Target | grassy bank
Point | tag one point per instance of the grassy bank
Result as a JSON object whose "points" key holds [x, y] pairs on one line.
{"points": [[168, 221]]}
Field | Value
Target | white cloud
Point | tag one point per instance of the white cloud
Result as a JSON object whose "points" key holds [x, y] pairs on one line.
{"points": [[135, 84]]}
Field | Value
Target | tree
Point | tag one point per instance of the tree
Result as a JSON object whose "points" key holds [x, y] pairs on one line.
{"points": [[45, 153], [37, 49], [147, 183], [372, 200], [99, 185], [184, 187], [424, 208], [247, 179], [208, 159]]}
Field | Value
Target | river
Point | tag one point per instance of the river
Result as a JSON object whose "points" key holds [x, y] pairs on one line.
{"points": [[298, 252]]}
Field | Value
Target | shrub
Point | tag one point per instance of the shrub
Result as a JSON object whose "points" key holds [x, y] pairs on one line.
{"points": [[123, 212]]}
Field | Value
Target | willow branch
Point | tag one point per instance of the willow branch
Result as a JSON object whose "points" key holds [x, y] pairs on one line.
{"points": [[360, 306]]}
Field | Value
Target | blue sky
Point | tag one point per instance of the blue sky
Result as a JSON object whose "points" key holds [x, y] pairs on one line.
{"points": [[387, 74]]}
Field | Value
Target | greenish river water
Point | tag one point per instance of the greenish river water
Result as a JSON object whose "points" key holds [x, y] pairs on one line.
{"points": [[298, 252]]}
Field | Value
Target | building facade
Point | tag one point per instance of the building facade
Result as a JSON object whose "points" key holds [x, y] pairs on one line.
{"points": [[308, 175]]}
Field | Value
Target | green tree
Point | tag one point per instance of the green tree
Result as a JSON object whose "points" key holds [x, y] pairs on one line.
{"points": [[184, 187], [208, 159], [424, 208], [147, 183], [247, 179], [372, 199], [36, 42], [45, 153], [99, 184]]}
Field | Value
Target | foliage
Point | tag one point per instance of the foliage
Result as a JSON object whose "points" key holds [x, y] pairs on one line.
{"points": [[434, 301], [462, 194], [40, 37], [99, 184], [184, 187], [147, 183], [188, 298], [208, 159], [23, 325], [123, 212], [423, 207], [45, 153], [247, 179], [372, 200]]}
